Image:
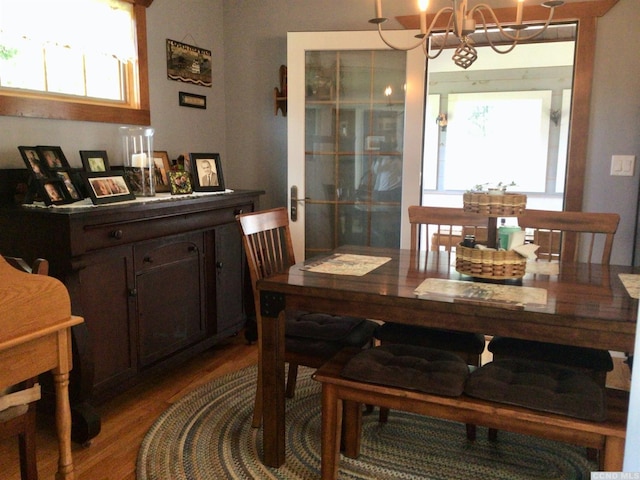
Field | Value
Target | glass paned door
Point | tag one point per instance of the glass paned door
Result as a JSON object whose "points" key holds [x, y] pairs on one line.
{"points": [[353, 146]]}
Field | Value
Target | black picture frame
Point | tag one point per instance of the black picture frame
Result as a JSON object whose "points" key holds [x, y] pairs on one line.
{"points": [[107, 187], [53, 191], [33, 162], [180, 181], [70, 187], [199, 162], [52, 158], [186, 99], [94, 161]]}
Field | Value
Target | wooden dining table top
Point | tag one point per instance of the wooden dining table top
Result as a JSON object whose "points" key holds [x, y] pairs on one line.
{"points": [[586, 304]]}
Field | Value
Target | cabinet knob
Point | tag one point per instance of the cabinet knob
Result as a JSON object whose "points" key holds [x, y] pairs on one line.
{"points": [[219, 264], [133, 292], [147, 259], [116, 234]]}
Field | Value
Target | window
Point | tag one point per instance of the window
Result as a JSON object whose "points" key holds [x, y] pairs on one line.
{"points": [[504, 121], [82, 53]]}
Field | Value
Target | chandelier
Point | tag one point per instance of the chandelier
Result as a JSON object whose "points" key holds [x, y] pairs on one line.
{"points": [[462, 24]]}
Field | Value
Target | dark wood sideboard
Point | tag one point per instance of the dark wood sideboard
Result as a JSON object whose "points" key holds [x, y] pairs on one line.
{"points": [[156, 282]]}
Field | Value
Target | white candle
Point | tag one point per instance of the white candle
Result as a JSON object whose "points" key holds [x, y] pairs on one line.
{"points": [[519, 12], [422, 5], [138, 160], [378, 8]]}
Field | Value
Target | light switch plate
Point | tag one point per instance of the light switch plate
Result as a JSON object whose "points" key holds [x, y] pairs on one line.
{"points": [[623, 165]]}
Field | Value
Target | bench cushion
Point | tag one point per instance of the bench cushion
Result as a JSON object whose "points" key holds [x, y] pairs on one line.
{"points": [[323, 335], [406, 366], [572, 356], [540, 386], [472, 343]]}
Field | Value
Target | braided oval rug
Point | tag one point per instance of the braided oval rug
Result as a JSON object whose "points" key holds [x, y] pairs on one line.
{"points": [[207, 435]]}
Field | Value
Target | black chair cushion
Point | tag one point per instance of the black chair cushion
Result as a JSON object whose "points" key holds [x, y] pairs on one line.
{"points": [[323, 335], [540, 386], [407, 366], [472, 343], [572, 356]]}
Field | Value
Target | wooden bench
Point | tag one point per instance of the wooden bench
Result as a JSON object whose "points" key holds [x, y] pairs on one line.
{"points": [[342, 399]]}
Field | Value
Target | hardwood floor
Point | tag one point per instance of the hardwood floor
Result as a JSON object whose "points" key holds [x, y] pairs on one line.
{"points": [[125, 419]]}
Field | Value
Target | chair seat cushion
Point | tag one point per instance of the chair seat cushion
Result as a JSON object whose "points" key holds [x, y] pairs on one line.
{"points": [[540, 386], [472, 343], [572, 356], [323, 335], [407, 366]]}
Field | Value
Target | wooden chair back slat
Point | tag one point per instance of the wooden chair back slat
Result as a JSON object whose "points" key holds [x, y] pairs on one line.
{"points": [[561, 234], [267, 242], [451, 225]]}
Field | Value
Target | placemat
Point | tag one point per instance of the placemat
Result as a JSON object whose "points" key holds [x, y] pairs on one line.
{"points": [[346, 264]]}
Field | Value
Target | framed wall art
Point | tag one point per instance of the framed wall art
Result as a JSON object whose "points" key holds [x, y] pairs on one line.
{"points": [[107, 187], [187, 63], [192, 100], [94, 161], [162, 169], [207, 172]]}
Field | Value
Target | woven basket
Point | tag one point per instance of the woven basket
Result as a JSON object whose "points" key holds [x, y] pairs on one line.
{"points": [[504, 205], [498, 265]]}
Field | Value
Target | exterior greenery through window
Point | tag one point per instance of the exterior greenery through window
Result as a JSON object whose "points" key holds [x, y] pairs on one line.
{"points": [[73, 51]]}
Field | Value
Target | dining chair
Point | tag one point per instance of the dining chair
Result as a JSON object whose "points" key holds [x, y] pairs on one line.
{"points": [[17, 404], [310, 338], [565, 237], [447, 227]]}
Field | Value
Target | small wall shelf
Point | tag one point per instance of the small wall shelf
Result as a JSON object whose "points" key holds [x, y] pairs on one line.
{"points": [[280, 94]]}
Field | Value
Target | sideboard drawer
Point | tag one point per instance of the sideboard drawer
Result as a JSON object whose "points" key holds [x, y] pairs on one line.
{"points": [[108, 234]]}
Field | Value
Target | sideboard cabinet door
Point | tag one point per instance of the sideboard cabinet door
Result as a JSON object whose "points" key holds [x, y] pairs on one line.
{"points": [[169, 289], [230, 270]]}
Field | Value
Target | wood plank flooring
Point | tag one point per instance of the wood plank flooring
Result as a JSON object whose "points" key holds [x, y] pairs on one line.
{"points": [[125, 419]]}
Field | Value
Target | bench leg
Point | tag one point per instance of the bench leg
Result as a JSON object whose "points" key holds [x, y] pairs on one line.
{"points": [[330, 432], [612, 454], [351, 428]]}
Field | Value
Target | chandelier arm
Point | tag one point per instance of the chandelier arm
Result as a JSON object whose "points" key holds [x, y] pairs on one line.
{"points": [[396, 47], [516, 38], [448, 31], [491, 44]]}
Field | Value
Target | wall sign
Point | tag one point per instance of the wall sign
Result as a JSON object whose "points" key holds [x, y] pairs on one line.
{"points": [[186, 63]]}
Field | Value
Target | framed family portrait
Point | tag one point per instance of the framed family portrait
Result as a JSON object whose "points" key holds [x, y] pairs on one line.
{"points": [[207, 172], [52, 158], [180, 182], [53, 191], [33, 162], [94, 161], [107, 187], [162, 169]]}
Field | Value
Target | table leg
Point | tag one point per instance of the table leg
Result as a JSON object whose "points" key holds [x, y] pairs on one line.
{"points": [[63, 425], [273, 386]]}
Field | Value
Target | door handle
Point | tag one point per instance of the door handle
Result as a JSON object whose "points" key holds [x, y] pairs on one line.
{"points": [[294, 203]]}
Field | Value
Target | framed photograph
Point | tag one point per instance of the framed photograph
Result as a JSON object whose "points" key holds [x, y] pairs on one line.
{"points": [[52, 158], [94, 161], [162, 169], [207, 172], [53, 192], [33, 162], [180, 182], [107, 187], [73, 192]]}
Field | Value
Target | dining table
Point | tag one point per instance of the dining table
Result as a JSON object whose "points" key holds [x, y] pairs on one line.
{"points": [[582, 304]]}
